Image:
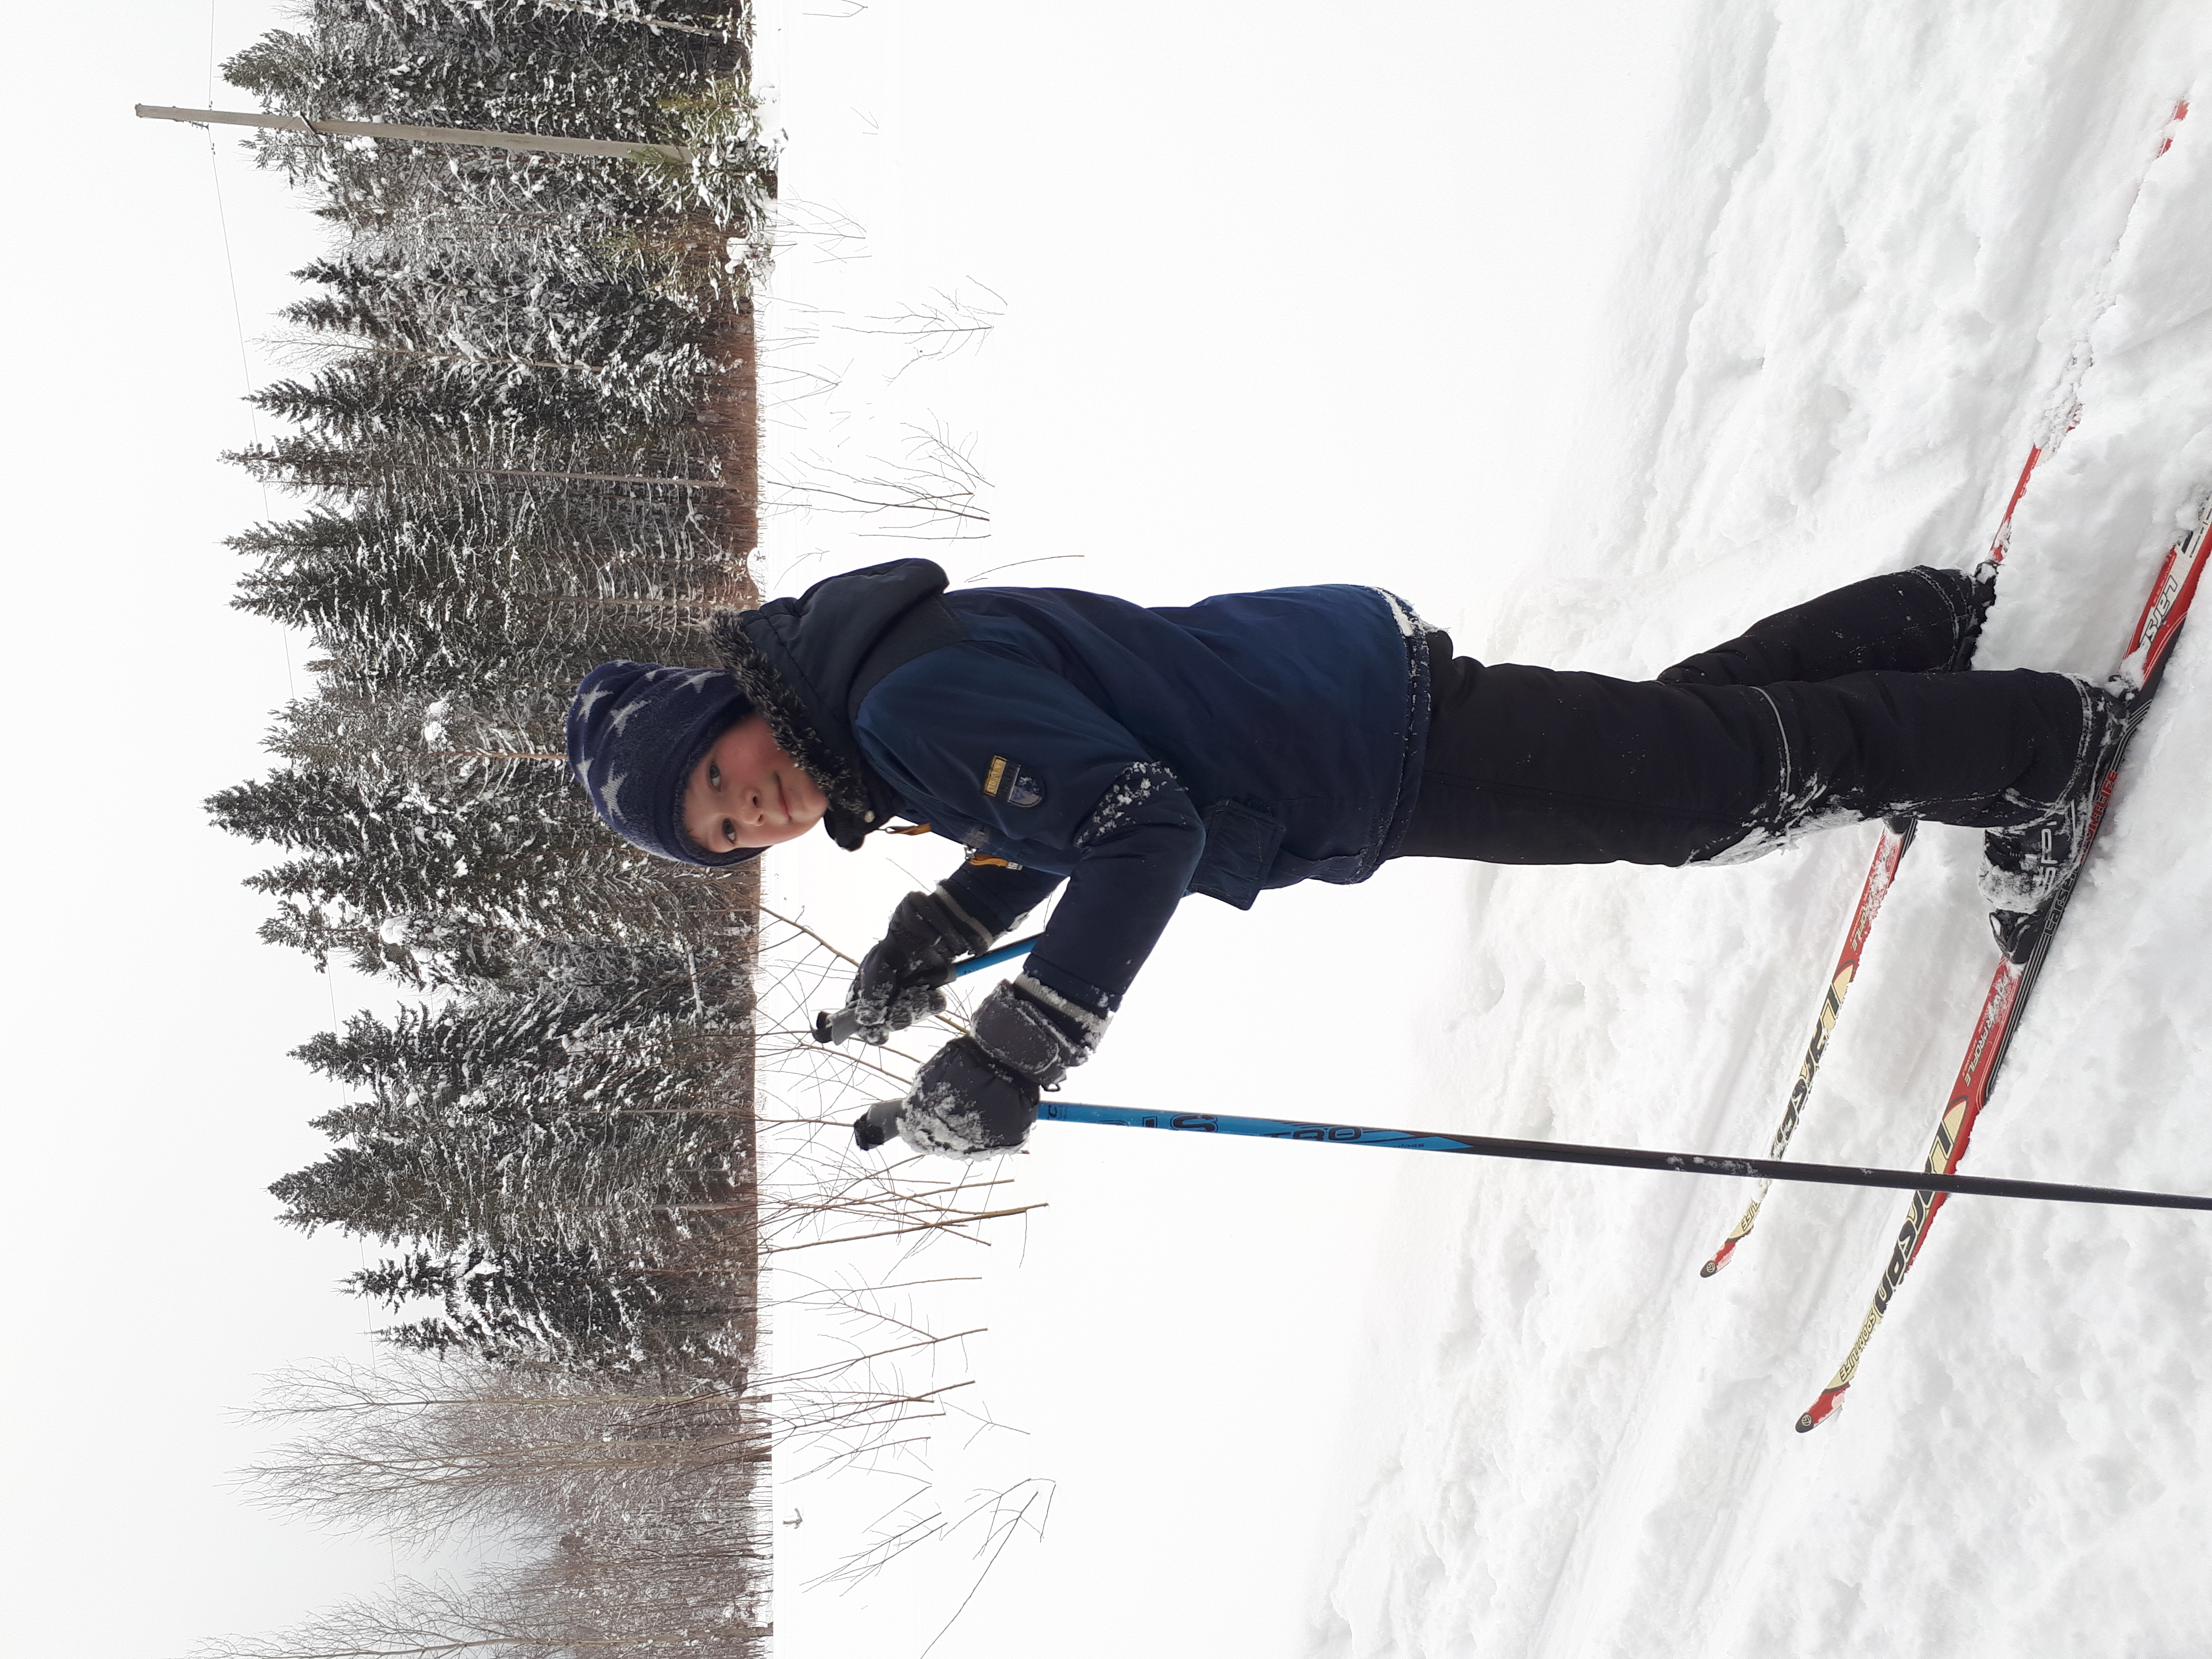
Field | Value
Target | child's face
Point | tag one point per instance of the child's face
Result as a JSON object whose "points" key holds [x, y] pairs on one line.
{"points": [[748, 793]]}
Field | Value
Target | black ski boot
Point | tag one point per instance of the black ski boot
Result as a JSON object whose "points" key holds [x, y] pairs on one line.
{"points": [[2025, 869]]}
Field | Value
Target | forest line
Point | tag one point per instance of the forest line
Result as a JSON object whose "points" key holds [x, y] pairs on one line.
{"points": [[514, 373]]}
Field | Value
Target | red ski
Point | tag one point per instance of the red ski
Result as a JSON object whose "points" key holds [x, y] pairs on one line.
{"points": [[2061, 414], [1889, 852], [1896, 836], [2163, 614]]}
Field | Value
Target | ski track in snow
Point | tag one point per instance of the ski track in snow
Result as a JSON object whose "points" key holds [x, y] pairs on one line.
{"points": [[1870, 240]]}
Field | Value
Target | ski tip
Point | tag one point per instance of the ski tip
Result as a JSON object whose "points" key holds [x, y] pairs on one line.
{"points": [[2180, 113], [1729, 1246], [1821, 1410]]}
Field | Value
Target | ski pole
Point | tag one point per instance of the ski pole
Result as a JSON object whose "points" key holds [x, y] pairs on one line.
{"points": [[1621, 1158], [836, 1028]]}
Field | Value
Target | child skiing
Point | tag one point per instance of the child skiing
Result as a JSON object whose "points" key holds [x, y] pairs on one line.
{"points": [[1255, 741]]}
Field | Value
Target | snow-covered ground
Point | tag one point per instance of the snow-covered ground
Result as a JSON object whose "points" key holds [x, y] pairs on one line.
{"points": [[1870, 243], [1322, 1401]]}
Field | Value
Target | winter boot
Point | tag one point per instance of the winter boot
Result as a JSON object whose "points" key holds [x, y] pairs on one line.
{"points": [[1922, 621], [2026, 867]]}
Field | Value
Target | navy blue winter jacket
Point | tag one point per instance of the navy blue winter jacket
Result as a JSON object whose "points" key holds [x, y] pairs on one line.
{"points": [[1249, 741]]}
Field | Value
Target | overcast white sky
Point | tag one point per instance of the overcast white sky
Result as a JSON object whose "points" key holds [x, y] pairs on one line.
{"points": [[1292, 294]]}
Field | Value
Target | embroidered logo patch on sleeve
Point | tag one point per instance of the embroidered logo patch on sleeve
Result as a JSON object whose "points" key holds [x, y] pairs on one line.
{"points": [[1009, 781]]}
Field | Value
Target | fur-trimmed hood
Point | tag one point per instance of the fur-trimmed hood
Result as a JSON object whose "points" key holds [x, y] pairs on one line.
{"points": [[805, 664]]}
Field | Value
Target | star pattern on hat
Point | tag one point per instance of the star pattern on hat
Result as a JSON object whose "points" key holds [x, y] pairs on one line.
{"points": [[633, 737]]}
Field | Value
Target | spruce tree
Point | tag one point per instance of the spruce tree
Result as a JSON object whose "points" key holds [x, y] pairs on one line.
{"points": [[388, 868], [563, 1307], [512, 1123]]}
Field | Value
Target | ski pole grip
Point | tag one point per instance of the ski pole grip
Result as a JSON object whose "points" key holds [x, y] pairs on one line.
{"points": [[830, 1028]]}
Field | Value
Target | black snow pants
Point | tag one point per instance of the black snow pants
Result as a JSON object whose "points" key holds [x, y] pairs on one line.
{"points": [[1838, 710]]}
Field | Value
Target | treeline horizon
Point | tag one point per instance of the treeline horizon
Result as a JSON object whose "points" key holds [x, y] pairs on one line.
{"points": [[523, 438]]}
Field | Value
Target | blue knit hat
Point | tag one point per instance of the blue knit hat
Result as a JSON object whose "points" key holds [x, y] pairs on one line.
{"points": [[635, 732]]}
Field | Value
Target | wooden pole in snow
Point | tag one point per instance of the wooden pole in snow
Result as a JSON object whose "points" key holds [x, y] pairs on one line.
{"points": [[619, 148]]}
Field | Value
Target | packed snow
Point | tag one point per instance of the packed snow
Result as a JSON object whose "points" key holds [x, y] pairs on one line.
{"points": [[1889, 234], [1322, 1401]]}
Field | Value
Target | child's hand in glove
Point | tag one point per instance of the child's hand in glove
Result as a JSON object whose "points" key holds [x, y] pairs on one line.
{"points": [[978, 1095], [964, 1104], [902, 979]]}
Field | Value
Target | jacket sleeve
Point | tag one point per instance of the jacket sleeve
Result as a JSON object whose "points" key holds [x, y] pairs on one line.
{"points": [[1138, 847], [1021, 753], [999, 895]]}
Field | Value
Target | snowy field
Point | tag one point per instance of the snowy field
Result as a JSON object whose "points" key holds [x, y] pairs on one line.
{"points": [[1880, 242], [1297, 1403]]}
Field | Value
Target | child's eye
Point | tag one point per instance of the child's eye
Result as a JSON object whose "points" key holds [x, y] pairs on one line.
{"points": [[713, 775], [730, 831]]}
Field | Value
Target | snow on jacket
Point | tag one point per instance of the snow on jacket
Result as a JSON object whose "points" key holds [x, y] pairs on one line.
{"points": [[1249, 741]]}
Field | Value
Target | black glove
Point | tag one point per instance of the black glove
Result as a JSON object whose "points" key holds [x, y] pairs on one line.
{"points": [[965, 1104], [978, 1095], [904, 978]]}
